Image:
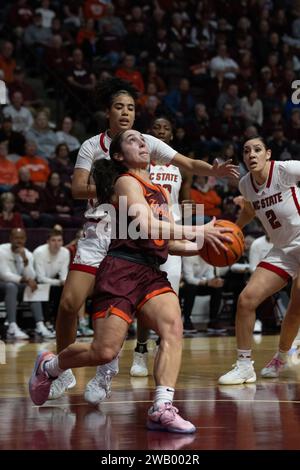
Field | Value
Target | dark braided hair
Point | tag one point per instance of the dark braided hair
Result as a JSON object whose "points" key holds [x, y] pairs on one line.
{"points": [[109, 88], [105, 172]]}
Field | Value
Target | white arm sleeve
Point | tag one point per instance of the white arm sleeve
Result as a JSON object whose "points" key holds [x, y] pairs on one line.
{"points": [[85, 156], [160, 152]]}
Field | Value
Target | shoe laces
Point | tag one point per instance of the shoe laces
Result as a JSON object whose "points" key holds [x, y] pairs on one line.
{"points": [[171, 410], [103, 380], [275, 362]]}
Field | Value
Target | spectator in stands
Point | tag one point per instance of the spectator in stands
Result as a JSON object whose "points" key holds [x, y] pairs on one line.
{"points": [[152, 76], [56, 57], [138, 42], [7, 62], [198, 126], [43, 136], [65, 136], [280, 146], [46, 12], [15, 140], [38, 167], [94, 9], [20, 15], [16, 273], [8, 217], [223, 63], [270, 99], [59, 203], [21, 116], [230, 96], [162, 51], [128, 72], [20, 84], [180, 101], [8, 170], [80, 78], [72, 13], [51, 263], [202, 193], [293, 129], [62, 164], [226, 125], [36, 35], [116, 23], [200, 279], [252, 109], [30, 201]]}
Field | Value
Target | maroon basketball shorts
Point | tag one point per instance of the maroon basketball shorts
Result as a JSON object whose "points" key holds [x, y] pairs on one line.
{"points": [[122, 287]]}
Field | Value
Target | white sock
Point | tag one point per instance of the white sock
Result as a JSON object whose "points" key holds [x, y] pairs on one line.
{"points": [[39, 324], [244, 355], [282, 355], [163, 395], [52, 367], [12, 326]]}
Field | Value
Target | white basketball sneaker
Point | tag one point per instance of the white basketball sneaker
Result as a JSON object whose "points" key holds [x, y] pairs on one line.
{"points": [[64, 382], [99, 387], [242, 372], [139, 366]]}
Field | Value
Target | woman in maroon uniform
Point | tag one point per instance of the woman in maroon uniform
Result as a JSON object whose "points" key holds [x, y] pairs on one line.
{"points": [[129, 280]]}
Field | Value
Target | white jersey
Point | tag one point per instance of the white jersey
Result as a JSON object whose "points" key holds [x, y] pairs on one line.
{"points": [[97, 147], [277, 201], [169, 177]]}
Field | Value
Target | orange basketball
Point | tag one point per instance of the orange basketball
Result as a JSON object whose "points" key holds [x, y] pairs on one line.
{"points": [[235, 249]]}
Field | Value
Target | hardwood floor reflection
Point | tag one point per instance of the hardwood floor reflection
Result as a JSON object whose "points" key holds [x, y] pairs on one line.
{"points": [[265, 415]]}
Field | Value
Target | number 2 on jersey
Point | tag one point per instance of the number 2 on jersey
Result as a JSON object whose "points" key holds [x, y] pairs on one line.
{"points": [[271, 216], [168, 187]]}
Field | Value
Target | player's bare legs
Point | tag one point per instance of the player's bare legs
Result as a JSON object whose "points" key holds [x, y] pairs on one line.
{"points": [[78, 286], [262, 284], [161, 313], [165, 318]]}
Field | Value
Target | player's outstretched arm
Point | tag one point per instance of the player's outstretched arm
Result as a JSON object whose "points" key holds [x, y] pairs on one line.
{"points": [[198, 167]]}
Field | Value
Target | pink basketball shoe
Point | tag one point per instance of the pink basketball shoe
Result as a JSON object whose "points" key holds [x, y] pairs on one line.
{"points": [[166, 418], [40, 381]]}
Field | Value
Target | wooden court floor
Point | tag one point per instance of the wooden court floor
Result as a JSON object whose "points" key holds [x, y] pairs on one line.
{"points": [[265, 415]]}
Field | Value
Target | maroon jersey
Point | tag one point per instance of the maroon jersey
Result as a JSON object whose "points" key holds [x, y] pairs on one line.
{"points": [[154, 248]]}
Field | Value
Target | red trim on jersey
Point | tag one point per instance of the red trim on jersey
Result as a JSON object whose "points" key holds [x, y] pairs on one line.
{"points": [[83, 268], [269, 177], [252, 181], [293, 189], [102, 145], [270, 173], [159, 164], [275, 269]]}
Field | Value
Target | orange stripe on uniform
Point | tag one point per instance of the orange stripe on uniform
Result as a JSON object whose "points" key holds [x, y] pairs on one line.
{"points": [[155, 293], [113, 311]]}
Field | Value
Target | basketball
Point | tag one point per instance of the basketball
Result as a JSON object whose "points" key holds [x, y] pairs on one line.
{"points": [[235, 249]]}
